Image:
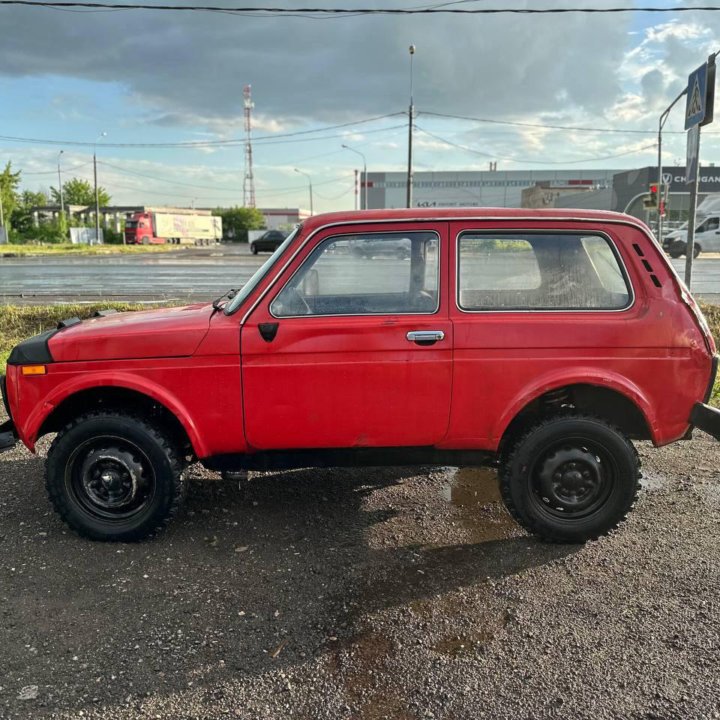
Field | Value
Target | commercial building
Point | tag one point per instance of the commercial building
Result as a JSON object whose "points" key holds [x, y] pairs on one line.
{"points": [[491, 188]]}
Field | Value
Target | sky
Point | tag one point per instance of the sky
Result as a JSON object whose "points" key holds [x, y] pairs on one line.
{"points": [[153, 77]]}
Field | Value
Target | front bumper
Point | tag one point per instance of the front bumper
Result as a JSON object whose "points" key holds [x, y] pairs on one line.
{"points": [[707, 419]]}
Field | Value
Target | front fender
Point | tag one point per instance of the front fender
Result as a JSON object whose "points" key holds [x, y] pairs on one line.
{"points": [[580, 376], [31, 426]]}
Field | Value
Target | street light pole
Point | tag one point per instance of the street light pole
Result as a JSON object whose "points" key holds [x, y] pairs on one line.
{"points": [[309, 185], [411, 113], [661, 124], [60, 188], [97, 196], [364, 194]]}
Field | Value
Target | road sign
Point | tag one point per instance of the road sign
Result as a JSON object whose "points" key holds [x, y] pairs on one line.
{"points": [[696, 96], [700, 95], [693, 147]]}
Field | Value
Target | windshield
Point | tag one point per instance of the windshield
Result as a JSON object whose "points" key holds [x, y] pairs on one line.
{"points": [[260, 273]]}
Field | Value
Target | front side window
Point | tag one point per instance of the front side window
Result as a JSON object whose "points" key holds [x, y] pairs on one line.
{"points": [[539, 271], [372, 274]]}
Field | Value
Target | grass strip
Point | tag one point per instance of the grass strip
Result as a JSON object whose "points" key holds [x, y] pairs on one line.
{"points": [[11, 250]]}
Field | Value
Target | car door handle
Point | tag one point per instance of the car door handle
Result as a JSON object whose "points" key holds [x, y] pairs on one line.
{"points": [[425, 337]]}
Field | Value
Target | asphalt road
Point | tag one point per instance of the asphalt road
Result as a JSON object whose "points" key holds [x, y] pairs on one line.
{"points": [[189, 274]]}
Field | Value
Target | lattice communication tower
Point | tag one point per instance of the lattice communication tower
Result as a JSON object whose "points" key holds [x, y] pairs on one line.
{"points": [[249, 181]]}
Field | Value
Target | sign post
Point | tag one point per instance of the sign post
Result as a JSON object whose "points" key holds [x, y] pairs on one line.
{"points": [[699, 109]]}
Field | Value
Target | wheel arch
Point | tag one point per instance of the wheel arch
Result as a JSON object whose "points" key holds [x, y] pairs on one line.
{"points": [[614, 400], [68, 401]]}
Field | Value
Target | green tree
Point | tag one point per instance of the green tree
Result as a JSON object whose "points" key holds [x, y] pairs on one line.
{"points": [[9, 184], [80, 192], [22, 218], [238, 220]]}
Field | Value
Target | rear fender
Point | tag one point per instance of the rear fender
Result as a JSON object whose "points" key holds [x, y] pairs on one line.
{"points": [[581, 376]]}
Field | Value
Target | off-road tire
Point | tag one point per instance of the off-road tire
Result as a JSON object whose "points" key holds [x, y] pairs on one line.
{"points": [[157, 453], [529, 470]]}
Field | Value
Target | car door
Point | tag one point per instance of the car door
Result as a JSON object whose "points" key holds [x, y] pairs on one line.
{"points": [[352, 347]]}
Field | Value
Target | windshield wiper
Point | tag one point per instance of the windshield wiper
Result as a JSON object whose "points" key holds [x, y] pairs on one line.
{"points": [[229, 295]]}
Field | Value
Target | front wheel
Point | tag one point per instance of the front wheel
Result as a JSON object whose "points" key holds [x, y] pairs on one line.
{"points": [[112, 476], [570, 479], [253, 248]]}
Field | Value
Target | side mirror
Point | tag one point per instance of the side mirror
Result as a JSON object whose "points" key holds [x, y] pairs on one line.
{"points": [[311, 284]]}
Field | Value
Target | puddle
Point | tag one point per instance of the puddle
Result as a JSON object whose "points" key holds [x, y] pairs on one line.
{"points": [[364, 674], [476, 494], [463, 644]]}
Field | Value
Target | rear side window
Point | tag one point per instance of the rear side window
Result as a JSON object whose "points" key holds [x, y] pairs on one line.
{"points": [[539, 271]]}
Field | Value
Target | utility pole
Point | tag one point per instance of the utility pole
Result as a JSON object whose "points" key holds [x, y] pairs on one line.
{"points": [[699, 111], [364, 205], [411, 113], [97, 195], [692, 180], [310, 187], [60, 188], [2, 219]]}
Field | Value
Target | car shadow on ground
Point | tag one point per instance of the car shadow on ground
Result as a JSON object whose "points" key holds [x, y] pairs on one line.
{"points": [[269, 574]]}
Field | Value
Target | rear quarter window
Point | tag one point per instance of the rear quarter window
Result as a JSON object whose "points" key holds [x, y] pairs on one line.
{"points": [[540, 271]]}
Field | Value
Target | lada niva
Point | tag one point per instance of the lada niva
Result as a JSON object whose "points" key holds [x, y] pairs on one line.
{"points": [[543, 342]]}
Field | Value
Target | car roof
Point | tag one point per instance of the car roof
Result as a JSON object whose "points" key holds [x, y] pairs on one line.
{"points": [[495, 213]]}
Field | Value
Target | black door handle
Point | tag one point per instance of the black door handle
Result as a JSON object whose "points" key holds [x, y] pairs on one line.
{"points": [[268, 331]]}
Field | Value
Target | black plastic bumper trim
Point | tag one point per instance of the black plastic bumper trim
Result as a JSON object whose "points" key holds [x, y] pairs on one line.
{"points": [[707, 419], [4, 393], [713, 375], [33, 351], [8, 436]]}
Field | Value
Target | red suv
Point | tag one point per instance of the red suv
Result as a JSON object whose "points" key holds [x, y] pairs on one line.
{"points": [[540, 341]]}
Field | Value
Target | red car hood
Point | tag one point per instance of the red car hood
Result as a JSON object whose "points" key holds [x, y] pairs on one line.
{"points": [[169, 332]]}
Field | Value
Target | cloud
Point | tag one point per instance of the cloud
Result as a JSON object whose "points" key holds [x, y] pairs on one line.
{"points": [[191, 67]]}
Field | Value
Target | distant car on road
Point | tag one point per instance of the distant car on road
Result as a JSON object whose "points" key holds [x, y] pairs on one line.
{"points": [[269, 241], [707, 238]]}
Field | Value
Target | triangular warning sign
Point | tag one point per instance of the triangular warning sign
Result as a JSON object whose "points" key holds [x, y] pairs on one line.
{"points": [[695, 106]]}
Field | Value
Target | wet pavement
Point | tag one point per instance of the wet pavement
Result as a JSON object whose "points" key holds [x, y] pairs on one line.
{"points": [[189, 274]]}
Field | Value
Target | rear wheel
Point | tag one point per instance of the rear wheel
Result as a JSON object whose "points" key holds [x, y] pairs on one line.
{"points": [[112, 476], [570, 479], [696, 250]]}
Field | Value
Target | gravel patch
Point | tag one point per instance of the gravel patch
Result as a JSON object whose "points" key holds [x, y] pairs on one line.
{"points": [[401, 593]]}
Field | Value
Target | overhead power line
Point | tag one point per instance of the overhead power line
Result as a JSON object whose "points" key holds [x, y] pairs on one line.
{"points": [[264, 139], [534, 162], [319, 11], [547, 126]]}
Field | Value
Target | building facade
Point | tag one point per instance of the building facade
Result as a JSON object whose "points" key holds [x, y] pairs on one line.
{"points": [[475, 188]]}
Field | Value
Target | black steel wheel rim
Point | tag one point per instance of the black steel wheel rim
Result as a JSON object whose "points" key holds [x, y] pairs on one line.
{"points": [[110, 478], [572, 478]]}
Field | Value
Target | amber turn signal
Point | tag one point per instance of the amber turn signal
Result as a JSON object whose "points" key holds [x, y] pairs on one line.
{"points": [[34, 370]]}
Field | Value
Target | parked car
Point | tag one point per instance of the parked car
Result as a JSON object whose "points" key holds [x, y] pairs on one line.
{"points": [[269, 241], [541, 341]]}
